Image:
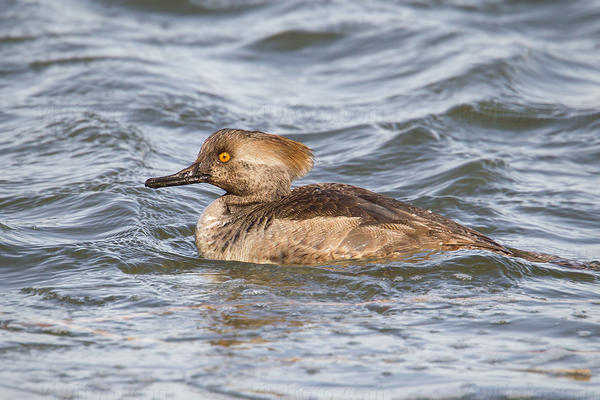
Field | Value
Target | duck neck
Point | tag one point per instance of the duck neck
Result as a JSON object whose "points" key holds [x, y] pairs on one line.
{"points": [[267, 191]]}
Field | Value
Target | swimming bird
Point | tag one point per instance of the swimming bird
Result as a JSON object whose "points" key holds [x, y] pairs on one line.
{"points": [[261, 219]]}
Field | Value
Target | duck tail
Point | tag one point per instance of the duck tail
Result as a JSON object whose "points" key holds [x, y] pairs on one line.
{"points": [[549, 258]]}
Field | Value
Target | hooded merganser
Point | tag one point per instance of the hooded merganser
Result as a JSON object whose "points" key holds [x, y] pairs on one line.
{"points": [[260, 219]]}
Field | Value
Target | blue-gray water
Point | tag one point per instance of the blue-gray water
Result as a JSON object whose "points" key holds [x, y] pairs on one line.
{"points": [[485, 112]]}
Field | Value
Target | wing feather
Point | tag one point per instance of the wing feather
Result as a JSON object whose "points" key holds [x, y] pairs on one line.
{"points": [[390, 220]]}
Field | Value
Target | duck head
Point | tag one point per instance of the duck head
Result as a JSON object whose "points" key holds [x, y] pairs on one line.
{"points": [[245, 164]]}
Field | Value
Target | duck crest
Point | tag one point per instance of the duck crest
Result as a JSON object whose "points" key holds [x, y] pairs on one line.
{"points": [[265, 148]]}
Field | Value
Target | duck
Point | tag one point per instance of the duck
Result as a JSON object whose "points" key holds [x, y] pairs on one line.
{"points": [[261, 219]]}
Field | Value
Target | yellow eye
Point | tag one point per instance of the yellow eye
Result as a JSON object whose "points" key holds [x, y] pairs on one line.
{"points": [[224, 157]]}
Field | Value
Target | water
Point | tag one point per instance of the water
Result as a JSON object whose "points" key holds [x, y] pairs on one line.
{"points": [[486, 112]]}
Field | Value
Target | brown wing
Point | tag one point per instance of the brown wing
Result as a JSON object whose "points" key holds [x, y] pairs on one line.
{"points": [[380, 217]]}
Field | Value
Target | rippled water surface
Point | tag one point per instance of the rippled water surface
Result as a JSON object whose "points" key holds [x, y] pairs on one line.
{"points": [[485, 112]]}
